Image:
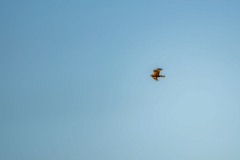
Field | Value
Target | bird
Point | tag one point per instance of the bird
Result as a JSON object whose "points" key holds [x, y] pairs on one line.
{"points": [[156, 74]]}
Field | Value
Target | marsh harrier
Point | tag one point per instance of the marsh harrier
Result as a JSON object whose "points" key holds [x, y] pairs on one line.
{"points": [[156, 74]]}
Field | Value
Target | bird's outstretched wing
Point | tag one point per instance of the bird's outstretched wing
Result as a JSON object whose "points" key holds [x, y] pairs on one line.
{"points": [[157, 71]]}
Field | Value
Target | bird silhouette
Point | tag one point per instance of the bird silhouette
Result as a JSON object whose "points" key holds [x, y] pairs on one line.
{"points": [[156, 74]]}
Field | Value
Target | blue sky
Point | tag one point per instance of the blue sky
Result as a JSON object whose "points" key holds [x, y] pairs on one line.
{"points": [[75, 80]]}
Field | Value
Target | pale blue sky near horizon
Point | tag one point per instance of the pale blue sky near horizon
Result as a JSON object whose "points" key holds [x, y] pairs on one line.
{"points": [[75, 80]]}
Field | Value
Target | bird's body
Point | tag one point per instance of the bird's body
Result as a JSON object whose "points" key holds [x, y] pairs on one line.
{"points": [[156, 74]]}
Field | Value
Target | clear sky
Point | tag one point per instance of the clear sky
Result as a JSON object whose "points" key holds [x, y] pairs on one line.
{"points": [[75, 80]]}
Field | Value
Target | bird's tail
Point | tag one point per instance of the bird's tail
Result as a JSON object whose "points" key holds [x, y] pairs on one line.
{"points": [[162, 76]]}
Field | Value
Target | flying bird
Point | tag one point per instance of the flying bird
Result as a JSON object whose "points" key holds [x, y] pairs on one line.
{"points": [[156, 74]]}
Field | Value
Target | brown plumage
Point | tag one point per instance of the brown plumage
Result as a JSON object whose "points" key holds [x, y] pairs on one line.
{"points": [[156, 74]]}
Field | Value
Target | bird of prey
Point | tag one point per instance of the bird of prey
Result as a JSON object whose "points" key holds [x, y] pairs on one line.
{"points": [[156, 74]]}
